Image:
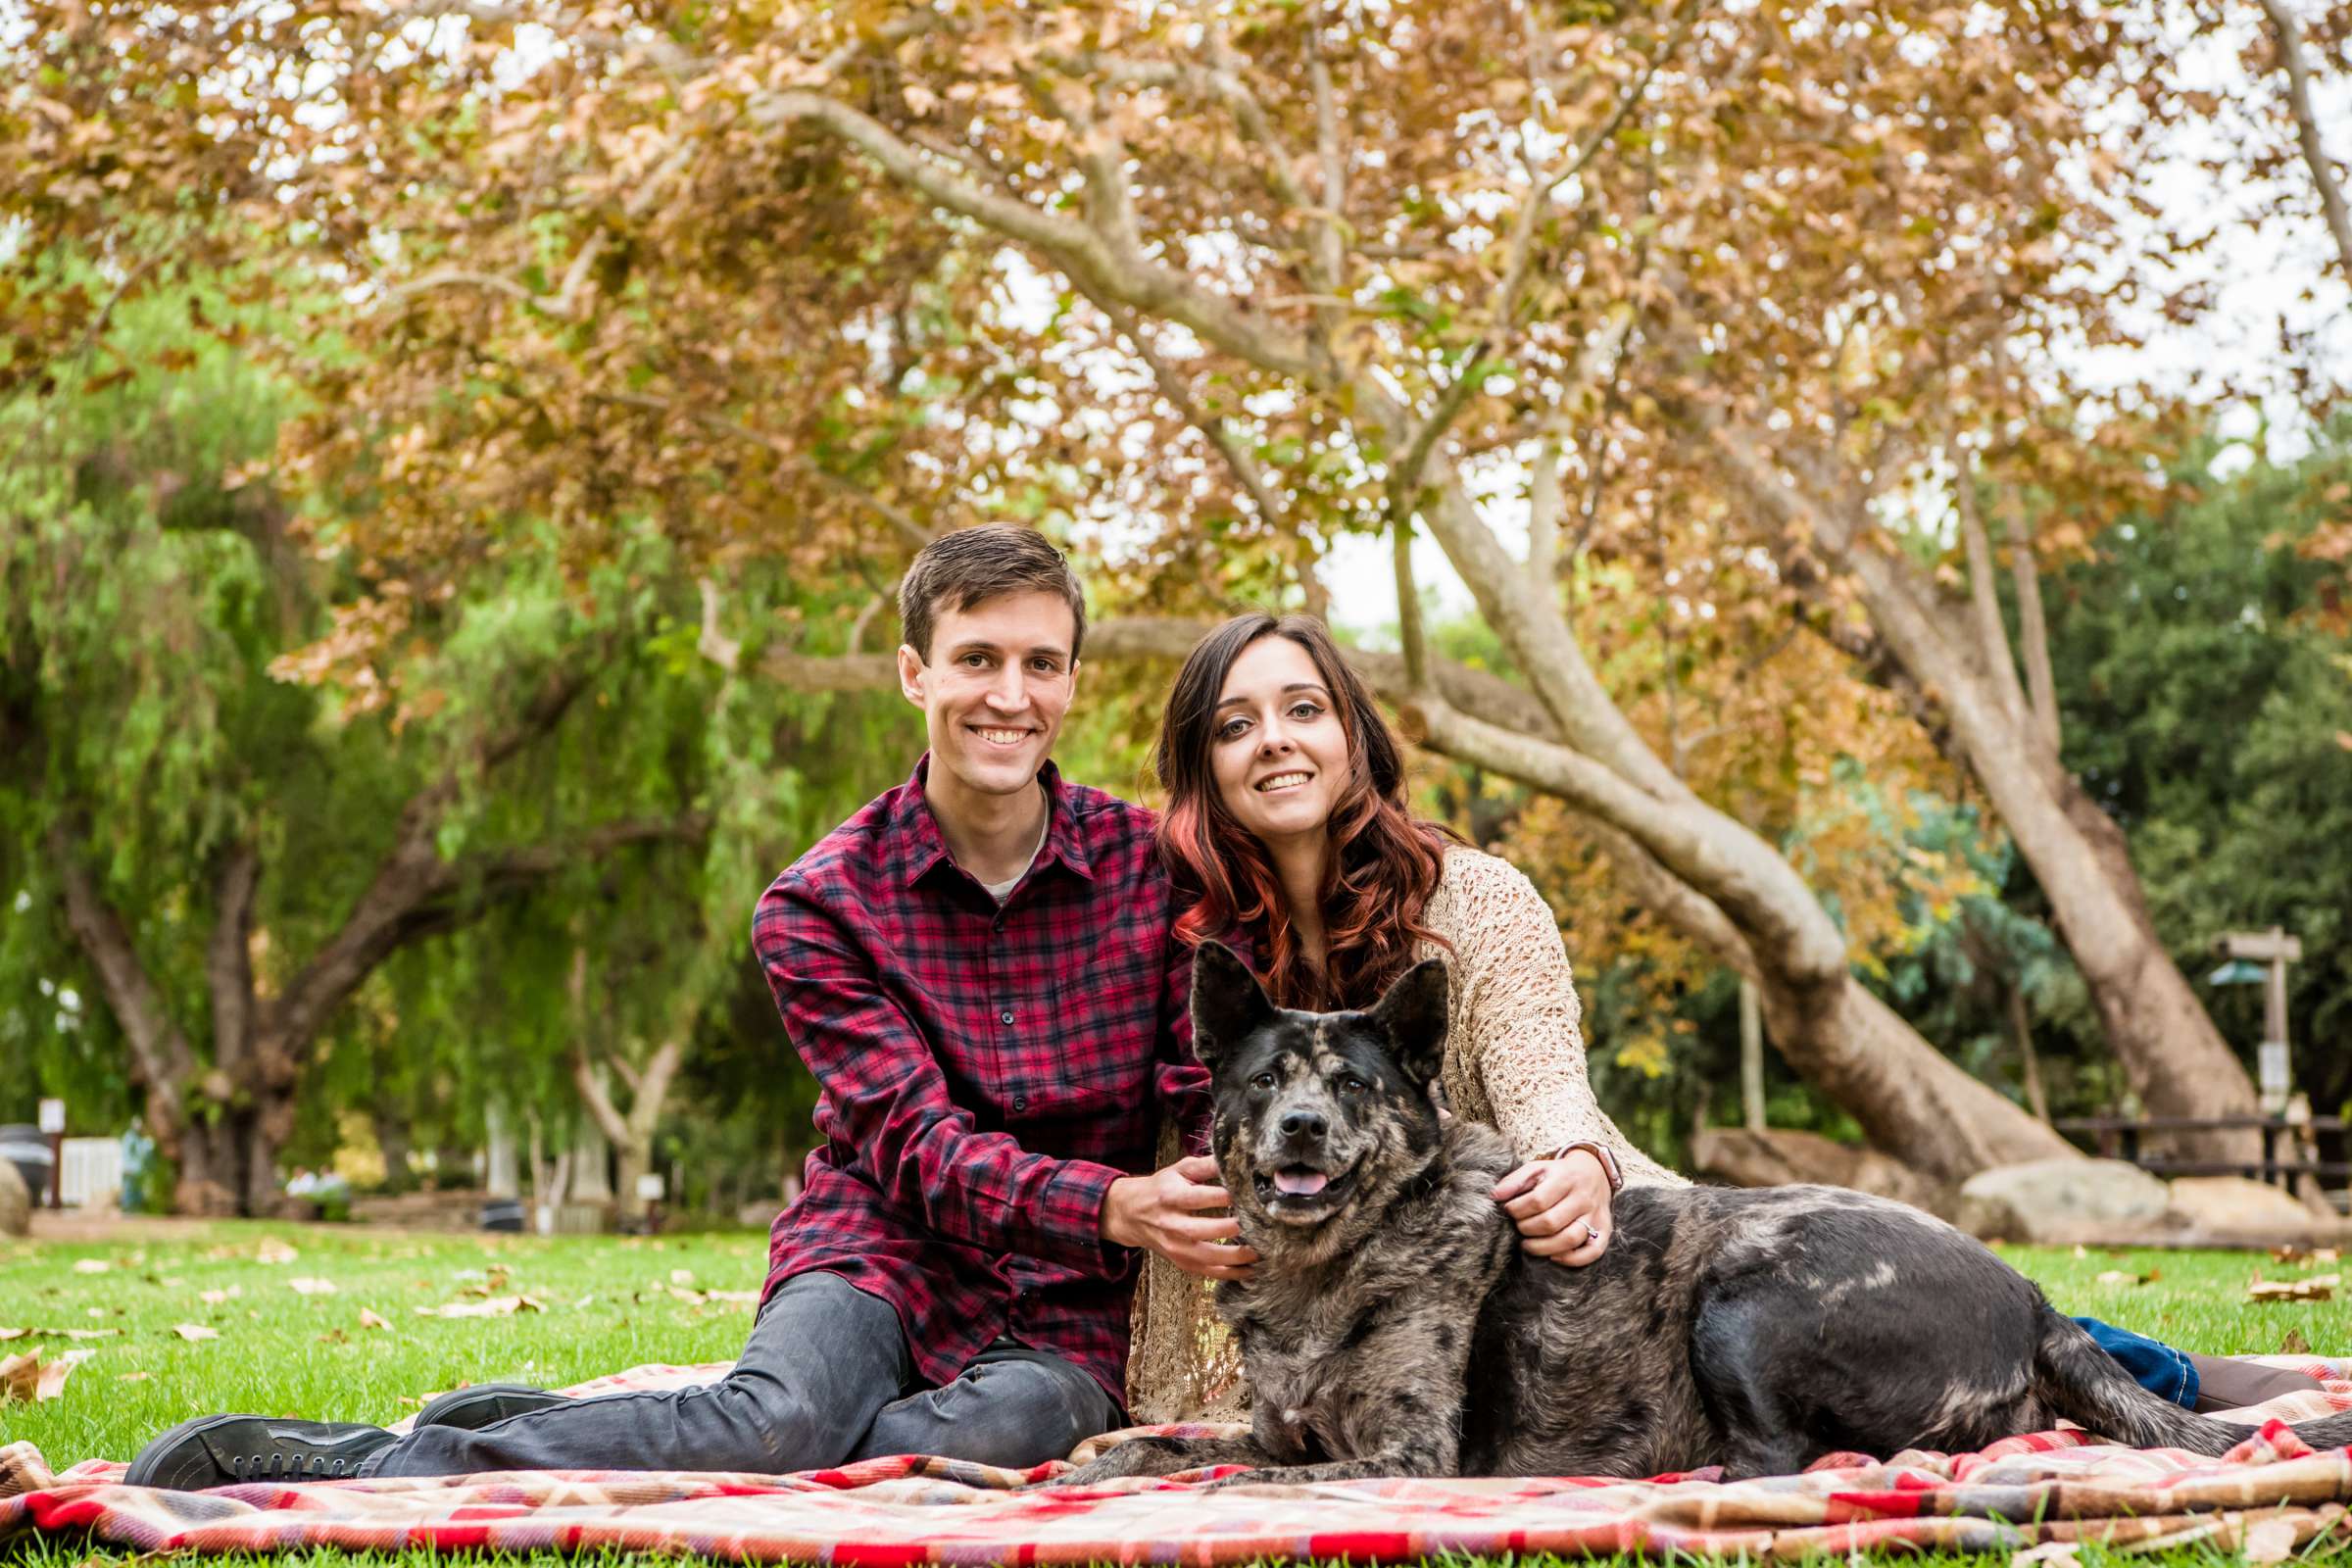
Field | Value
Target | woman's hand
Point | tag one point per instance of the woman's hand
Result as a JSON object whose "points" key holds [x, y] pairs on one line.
{"points": [[1561, 1206], [1165, 1212]]}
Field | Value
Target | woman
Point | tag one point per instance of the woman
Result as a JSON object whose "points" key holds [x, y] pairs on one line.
{"points": [[1286, 821]]}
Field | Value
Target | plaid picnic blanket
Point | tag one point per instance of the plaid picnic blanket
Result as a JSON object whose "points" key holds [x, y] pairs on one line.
{"points": [[2271, 1495]]}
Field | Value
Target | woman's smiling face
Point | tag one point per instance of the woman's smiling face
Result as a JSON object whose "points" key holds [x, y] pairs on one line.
{"points": [[1277, 748]]}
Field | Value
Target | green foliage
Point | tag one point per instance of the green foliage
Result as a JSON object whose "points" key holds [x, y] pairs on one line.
{"points": [[158, 701], [2208, 708]]}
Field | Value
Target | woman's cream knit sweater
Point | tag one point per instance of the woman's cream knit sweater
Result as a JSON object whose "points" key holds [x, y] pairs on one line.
{"points": [[1514, 1058]]}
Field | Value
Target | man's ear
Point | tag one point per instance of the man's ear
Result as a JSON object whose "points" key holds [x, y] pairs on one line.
{"points": [[1227, 1001], [910, 674], [1413, 1012]]}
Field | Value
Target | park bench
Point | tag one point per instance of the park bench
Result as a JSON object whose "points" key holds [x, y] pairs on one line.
{"points": [[2119, 1138]]}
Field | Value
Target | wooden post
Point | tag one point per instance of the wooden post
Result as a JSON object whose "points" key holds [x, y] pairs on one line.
{"points": [[2274, 1074], [1751, 1057]]}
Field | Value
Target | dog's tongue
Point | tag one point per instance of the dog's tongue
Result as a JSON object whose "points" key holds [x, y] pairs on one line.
{"points": [[1300, 1183]]}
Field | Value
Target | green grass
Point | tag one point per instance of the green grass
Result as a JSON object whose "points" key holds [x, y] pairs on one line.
{"points": [[611, 1303]]}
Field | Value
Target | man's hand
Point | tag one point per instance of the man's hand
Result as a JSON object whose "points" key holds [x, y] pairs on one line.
{"points": [[1164, 1212], [1561, 1206]]}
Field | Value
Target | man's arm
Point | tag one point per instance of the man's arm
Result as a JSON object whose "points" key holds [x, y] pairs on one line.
{"points": [[889, 1099]]}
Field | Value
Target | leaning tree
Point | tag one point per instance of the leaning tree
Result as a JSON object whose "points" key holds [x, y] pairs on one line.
{"points": [[1221, 283]]}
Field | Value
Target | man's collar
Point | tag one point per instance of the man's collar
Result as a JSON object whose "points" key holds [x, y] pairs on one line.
{"points": [[928, 847]]}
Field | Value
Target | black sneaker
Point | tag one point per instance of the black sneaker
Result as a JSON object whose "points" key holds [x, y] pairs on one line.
{"points": [[485, 1404], [222, 1451]]}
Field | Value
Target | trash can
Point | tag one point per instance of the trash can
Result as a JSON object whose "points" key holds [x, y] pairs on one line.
{"points": [[502, 1214], [24, 1146]]}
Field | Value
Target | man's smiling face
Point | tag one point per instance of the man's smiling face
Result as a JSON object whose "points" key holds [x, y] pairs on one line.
{"points": [[994, 689]]}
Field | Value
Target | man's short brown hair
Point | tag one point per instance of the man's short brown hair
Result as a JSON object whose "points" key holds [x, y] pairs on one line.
{"points": [[971, 565]]}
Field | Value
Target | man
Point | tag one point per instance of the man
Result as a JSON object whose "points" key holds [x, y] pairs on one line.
{"points": [[978, 968]]}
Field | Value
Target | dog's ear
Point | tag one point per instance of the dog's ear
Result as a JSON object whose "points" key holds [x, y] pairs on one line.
{"points": [[1227, 1001], [1413, 1012]]}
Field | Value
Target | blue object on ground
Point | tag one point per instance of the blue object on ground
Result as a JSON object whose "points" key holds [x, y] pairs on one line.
{"points": [[2157, 1366]]}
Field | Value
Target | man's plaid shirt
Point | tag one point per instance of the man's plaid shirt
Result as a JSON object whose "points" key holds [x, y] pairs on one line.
{"points": [[986, 1073]]}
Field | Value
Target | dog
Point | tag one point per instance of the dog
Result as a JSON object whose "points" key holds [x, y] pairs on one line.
{"points": [[1393, 1327]]}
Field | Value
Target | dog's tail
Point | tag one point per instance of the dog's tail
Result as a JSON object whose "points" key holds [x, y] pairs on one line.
{"points": [[2083, 1382]]}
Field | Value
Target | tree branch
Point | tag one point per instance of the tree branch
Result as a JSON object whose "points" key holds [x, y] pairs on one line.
{"points": [[1171, 386], [2288, 37], [1983, 596], [1410, 638], [1074, 246], [161, 1052], [593, 1097], [2032, 625], [228, 960]]}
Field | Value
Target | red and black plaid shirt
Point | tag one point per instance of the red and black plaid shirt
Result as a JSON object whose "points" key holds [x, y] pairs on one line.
{"points": [[986, 1071]]}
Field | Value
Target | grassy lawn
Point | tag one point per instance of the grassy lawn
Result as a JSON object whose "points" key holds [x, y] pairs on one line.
{"points": [[285, 1346]]}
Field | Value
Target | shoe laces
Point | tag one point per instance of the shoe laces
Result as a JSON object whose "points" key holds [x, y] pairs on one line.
{"points": [[282, 1466]]}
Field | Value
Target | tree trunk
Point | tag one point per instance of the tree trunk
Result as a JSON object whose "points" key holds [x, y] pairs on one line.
{"points": [[631, 1135], [1751, 1057], [2029, 1060], [2174, 1059], [501, 1177], [394, 1138]]}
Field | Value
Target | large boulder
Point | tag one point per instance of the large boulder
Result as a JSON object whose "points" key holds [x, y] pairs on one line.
{"points": [[2237, 1205], [16, 1204], [2049, 1200], [1780, 1156]]}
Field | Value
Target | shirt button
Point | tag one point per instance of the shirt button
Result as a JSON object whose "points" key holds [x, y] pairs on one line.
{"points": [[1020, 1102], [1005, 1016]]}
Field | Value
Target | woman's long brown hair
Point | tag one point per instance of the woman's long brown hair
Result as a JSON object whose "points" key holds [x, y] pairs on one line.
{"points": [[1384, 865]]}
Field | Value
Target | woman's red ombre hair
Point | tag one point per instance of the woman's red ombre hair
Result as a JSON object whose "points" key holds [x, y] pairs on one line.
{"points": [[1384, 865]]}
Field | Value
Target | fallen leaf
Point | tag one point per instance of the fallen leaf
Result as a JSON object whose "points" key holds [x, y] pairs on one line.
{"points": [[681, 1276], [273, 1251], [2116, 1276], [27, 1377], [306, 1286], [2062, 1553], [2318, 1288], [192, 1332], [91, 1265], [499, 1306], [134, 1377], [216, 1297], [736, 1298], [2272, 1540], [368, 1320], [2295, 1344]]}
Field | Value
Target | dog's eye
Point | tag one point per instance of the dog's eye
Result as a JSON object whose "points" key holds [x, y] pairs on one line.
{"points": [[1265, 1080], [1352, 1085]]}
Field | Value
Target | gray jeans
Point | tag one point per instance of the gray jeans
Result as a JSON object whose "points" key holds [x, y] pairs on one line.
{"points": [[824, 1379]]}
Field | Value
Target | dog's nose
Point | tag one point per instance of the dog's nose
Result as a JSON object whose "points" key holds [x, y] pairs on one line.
{"points": [[1305, 1124]]}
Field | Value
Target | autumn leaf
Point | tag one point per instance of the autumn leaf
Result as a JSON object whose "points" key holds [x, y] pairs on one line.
{"points": [[499, 1306], [368, 1320], [28, 1378], [273, 1251], [2318, 1288], [192, 1332], [306, 1286]]}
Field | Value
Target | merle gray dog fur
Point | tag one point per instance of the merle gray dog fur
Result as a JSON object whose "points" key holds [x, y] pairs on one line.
{"points": [[1393, 1326]]}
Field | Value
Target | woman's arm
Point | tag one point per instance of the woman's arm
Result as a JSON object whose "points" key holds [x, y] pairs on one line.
{"points": [[1519, 1020]]}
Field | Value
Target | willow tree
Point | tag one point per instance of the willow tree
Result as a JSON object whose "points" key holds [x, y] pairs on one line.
{"points": [[1230, 280], [218, 853]]}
